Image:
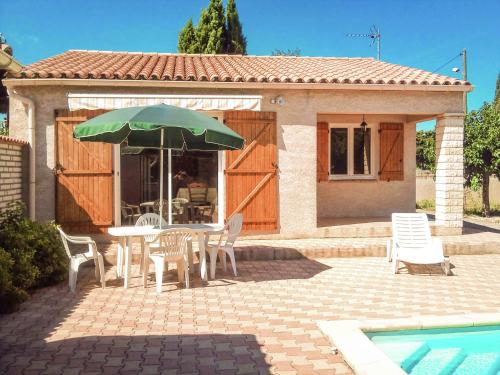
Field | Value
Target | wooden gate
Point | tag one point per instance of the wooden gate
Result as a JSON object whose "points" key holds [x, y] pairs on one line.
{"points": [[251, 174], [84, 172]]}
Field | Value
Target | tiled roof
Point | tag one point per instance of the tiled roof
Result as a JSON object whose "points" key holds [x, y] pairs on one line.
{"points": [[105, 65], [7, 139]]}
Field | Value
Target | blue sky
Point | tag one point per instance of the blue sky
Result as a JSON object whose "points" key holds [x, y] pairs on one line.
{"points": [[419, 33]]}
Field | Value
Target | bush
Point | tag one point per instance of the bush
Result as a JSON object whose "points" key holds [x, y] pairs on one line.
{"points": [[426, 204], [10, 296], [33, 255]]}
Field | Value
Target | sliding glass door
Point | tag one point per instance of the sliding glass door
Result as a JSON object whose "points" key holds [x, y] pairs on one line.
{"points": [[193, 176]]}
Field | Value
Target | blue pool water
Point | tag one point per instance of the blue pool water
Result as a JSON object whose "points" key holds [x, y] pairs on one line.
{"points": [[458, 351]]}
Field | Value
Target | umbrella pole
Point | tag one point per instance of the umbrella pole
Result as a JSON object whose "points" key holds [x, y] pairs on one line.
{"points": [[161, 178], [169, 186]]}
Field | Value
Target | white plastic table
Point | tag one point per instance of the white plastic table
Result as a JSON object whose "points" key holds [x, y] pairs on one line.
{"points": [[126, 233]]}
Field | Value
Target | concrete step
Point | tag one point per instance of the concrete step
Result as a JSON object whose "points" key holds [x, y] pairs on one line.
{"points": [[255, 250]]}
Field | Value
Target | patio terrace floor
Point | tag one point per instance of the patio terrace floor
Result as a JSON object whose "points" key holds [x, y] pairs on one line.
{"points": [[263, 321]]}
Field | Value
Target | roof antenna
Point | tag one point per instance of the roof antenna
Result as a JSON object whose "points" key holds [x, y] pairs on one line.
{"points": [[374, 35]]}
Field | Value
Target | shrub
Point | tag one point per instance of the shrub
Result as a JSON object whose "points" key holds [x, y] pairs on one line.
{"points": [[33, 255], [426, 204], [10, 296]]}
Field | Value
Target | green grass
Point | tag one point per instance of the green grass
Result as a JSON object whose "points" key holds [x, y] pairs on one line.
{"points": [[477, 210], [426, 204]]}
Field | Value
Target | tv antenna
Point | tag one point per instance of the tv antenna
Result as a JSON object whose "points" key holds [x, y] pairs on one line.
{"points": [[374, 35]]}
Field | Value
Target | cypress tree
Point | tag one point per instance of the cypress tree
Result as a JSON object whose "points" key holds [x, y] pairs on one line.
{"points": [[216, 29], [188, 41], [236, 43], [203, 30], [496, 100]]}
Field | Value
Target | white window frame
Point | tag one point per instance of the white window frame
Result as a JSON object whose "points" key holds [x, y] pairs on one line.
{"points": [[350, 152]]}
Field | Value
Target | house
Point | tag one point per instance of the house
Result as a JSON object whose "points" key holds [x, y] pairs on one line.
{"points": [[325, 138]]}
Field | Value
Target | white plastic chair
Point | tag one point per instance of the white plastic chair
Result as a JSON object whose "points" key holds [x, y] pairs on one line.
{"points": [[173, 247], [412, 242], [149, 219], [77, 259], [225, 244]]}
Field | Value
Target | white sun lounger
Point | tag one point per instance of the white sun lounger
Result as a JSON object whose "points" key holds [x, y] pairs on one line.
{"points": [[412, 242]]}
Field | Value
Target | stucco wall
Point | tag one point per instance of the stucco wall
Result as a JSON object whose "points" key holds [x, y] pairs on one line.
{"points": [[370, 198], [296, 119]]}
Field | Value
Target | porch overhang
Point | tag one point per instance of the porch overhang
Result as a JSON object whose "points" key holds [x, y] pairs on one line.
{"points": [[92, 101]]}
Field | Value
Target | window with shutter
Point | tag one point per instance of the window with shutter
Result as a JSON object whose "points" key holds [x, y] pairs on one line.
{"points": [[391, 151], [322, 151]]}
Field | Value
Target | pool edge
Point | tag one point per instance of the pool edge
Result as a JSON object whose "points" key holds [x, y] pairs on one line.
{"points": [[365, 358]]}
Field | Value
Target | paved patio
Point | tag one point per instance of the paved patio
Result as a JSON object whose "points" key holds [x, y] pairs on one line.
{"points": [[263, 321]]}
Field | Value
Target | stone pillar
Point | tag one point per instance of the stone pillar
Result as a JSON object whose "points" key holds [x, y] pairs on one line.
{"points": [[450, 170]]}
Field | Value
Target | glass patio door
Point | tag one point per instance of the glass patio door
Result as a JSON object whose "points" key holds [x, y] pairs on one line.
{"points": [[193, 178]]}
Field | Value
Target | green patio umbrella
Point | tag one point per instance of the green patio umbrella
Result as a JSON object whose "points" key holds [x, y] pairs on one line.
{"points": [[161, 127]]}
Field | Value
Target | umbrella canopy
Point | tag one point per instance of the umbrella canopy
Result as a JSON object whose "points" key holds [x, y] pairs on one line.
{"points": [[183, 129]]}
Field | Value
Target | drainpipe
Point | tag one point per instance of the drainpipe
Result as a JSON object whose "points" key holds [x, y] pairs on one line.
{"points": [[31, 139]]}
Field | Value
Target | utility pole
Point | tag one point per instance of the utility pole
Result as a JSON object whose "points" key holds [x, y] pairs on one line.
{"points": [[374, 35], [464, 73]]}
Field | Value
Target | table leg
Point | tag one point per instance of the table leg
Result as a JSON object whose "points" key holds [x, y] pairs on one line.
{"points": [[145, 266], [128, 261], [190, 256], [203, 258], [119, 257]]}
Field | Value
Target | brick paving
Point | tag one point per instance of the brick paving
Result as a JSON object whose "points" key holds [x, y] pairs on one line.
{"points": [[263, 321]]}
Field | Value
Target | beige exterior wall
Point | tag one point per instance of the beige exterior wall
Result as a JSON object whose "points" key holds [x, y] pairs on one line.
{"points": [[371, 198], [297, 118]]}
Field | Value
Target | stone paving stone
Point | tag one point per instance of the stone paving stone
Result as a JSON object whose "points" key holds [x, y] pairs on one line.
{"points": [[263, 321]]}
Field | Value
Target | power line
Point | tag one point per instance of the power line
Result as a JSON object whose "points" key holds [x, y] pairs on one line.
{"points": [[446, 63]]}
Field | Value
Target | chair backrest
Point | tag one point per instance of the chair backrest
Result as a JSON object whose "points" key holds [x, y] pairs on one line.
{"points": [[233, 228], [150, 219], [178, 205], [198, 192], [411, 230], [174, 242], [64, 238]]}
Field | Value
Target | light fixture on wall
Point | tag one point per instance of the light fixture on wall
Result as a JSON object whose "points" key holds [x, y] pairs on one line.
{"points": [[363, 124], [280, 100]]}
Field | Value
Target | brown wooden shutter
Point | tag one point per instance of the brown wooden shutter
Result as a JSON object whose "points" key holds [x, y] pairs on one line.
{"points": [[391, 151], [252, 173], [84, 170], [322, 151]]}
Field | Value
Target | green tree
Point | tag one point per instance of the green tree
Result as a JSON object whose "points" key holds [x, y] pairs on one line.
{"points": [[203, 30], [482, 150], [235, 40], [211, 29], [217, 28], [496, 101], [426, 150], [188, 41]]}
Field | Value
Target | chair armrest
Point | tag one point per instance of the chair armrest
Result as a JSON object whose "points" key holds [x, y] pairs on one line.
{"points": [[81, 240], [128, 210], [219, 233], [135, 209]]}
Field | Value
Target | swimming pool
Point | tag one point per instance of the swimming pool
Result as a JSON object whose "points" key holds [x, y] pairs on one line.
{"points": [[467, 350]]}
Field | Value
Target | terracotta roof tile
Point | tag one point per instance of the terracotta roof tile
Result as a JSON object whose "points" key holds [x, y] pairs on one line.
{"points": [[229, 68], [12, 140]]}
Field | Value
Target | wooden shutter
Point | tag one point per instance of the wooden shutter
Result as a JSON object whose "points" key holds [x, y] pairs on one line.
{"points": [[322, 151], [84, 174], [391, 151], [251, 174]]}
